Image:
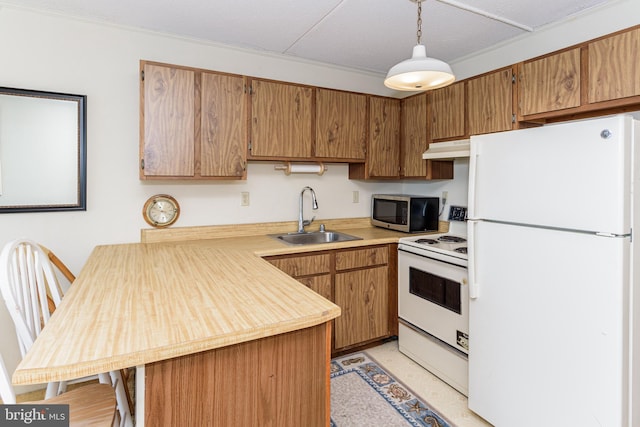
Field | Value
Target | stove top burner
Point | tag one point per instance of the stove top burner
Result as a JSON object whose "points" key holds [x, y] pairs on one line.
{"points": [[451, 239], [445, 247], [427, 241]]}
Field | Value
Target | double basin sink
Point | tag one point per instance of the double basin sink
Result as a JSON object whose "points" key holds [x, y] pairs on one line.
{"points": [[314, 237]]}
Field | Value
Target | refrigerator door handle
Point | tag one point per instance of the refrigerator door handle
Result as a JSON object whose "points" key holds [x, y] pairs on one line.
{"points": [[474, 288], [473, 176]]}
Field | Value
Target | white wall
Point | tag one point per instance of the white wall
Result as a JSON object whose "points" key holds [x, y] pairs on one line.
{"points": [[55, 53]]}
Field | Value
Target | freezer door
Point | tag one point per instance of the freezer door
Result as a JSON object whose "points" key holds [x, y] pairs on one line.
{"points": [[548, 327], [573, 175]]}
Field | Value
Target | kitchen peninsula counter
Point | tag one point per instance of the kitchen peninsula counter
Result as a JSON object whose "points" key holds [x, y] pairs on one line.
{"points": [[202, 324]]}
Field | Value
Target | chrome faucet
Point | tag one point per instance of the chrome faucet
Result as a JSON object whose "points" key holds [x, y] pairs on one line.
{"points": [[301, 221]]}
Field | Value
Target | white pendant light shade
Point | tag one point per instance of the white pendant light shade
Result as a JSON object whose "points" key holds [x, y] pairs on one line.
{"points": [[419, 73]]}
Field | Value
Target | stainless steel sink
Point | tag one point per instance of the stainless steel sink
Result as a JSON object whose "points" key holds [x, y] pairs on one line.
{"points": [[314, 238]]}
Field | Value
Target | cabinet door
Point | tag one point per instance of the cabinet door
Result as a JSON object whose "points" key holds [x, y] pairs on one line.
{"points": [[490, 102], [383, 154], [447, 112], [613, 67], [414, 135], [167, 146], [319, 284], [223, 126], [550, 83], [281, 119], [341, 124], [363, 297]]}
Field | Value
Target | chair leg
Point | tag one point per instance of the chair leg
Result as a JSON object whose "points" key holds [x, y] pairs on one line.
{"points": [[52, 390], [124, 373], [121, 398], [62, 387]]}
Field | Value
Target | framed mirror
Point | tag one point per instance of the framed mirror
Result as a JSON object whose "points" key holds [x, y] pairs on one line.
{"points": [[42, 151]]}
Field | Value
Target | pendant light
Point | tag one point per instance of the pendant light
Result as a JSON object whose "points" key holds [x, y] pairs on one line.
{"points": [[419, 72]]}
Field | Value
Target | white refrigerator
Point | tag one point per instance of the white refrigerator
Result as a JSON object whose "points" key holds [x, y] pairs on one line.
{"points": [[553, 275]]}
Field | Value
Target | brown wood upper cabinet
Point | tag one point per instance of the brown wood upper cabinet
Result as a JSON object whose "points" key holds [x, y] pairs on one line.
{"points": [[447, 112], [223, 147], [593, 78], [168, 115], [192, 124], [414, 142], [613, 67], [414, 137], [383, 155], [341, 125], [490, 98], [550, 83], [383, 148], [281, 120]]}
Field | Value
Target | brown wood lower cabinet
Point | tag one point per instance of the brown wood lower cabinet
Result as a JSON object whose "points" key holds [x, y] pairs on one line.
{"points": [[319, 284], [362, 281], [363, 297]]}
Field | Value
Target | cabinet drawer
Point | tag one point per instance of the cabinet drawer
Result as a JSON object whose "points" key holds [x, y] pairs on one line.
{"points": [[319, 284], [360, 258], [304, 265]]}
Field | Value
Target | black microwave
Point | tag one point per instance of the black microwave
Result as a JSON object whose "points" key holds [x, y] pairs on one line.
{"points": [[402, 212]]}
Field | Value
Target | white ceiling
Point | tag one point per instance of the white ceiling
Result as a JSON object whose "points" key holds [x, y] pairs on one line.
{"points": [[368, 35]]}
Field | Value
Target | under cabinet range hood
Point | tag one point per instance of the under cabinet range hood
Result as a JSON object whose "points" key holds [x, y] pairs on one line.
{"points": [[447, 150]]}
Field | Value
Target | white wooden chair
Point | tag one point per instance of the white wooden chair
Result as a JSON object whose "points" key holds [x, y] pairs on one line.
{"points": [[90, 405], [29, 285]]}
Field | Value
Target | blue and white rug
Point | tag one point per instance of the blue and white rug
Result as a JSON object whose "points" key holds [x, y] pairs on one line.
{"points": [[363, 394]]}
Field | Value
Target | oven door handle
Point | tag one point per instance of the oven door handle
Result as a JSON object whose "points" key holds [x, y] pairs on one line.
{"points": [[474, 287]]}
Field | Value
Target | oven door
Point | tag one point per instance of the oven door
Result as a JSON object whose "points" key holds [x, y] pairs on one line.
{"points": [[433, 295]]}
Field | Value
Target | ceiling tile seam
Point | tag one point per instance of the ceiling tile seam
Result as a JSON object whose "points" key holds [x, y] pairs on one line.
{"points": [[486, 14], [320, 21]]}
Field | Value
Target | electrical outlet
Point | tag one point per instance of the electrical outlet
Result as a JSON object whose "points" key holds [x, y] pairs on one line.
{"points": [[244, 198], [445, 196], [356, 197]]}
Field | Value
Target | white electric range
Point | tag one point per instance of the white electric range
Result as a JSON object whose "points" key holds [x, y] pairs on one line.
{"points": [[433, 301]]}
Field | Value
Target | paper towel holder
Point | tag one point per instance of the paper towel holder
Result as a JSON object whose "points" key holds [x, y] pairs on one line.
{"points": [[289, 168]]}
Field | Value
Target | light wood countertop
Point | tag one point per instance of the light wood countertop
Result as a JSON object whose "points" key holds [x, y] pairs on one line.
{"points": [[138, 303]]}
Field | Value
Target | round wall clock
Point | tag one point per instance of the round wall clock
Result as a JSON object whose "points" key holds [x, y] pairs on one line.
{"points": [[161, 210]]}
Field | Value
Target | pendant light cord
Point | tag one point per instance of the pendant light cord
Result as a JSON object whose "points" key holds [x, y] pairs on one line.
{"points": [[419, 32]]}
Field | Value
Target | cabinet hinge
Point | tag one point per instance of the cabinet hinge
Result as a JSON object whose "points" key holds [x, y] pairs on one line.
{"points": [[249, 145], [142, 75], [250, 89], [513, 78], [142, 164]]}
